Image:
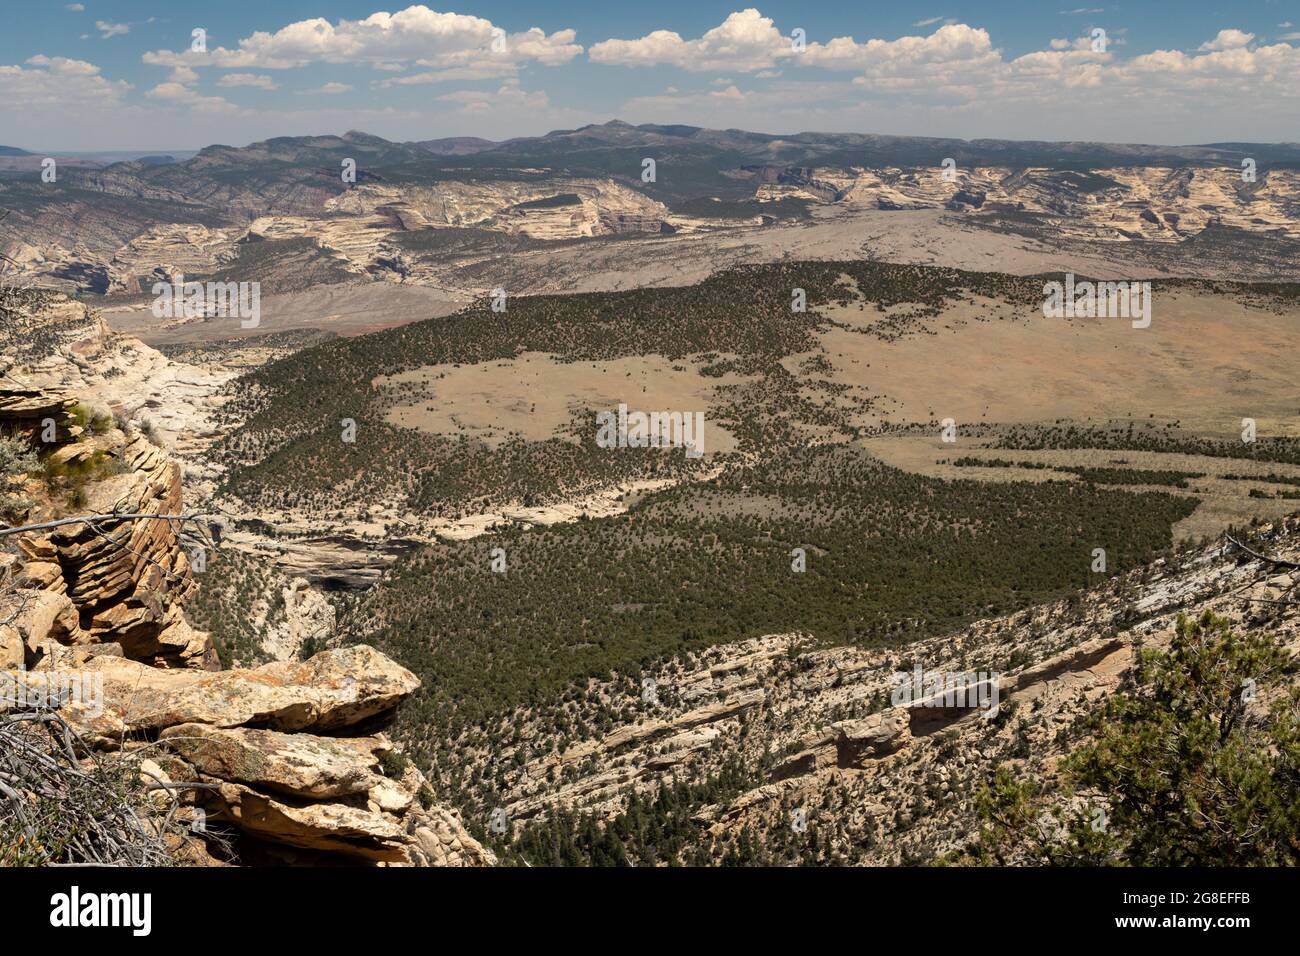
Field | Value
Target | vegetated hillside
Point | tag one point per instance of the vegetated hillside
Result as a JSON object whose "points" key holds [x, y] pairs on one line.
{"points": [[286, 441], [27, 333], [287, 174], [99, 230], [1147, 438], [291, 173], [1151, 720], [891, 558]]}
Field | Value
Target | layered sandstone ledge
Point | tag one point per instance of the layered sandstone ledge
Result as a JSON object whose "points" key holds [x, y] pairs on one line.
{"points": [[286, 754]]}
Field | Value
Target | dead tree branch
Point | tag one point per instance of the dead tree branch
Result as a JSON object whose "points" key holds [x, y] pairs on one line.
{"points": [[101, 519], [1276, 562]]}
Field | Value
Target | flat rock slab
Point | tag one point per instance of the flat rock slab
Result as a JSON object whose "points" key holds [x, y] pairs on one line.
{"points": [[334, 689], [302, 765]]}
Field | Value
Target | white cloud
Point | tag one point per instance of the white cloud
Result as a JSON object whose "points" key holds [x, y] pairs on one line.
{"points": [[958, 63], [415, 34], [956, 80], [107, 29], [749, 42], [56, 82], [63, 66], [554, 50], [184, 75], [75, 7], [1081, 44], [257, 80], [176, 94], [482, 69], [509, 97], [1227, 40], [332, 88], [745, 41], [953, 47]]}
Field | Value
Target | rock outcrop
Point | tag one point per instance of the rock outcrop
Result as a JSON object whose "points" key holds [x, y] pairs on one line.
{"points": [[1120, 204], [287, 756], [126, 579], [285, 763]]}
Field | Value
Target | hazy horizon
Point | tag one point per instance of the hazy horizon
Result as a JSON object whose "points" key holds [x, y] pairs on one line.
{"points": [[193, 149], [114, 76]]}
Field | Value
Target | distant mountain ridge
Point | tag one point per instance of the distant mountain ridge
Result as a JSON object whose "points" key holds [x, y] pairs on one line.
{"points": [[361, 197], [694, 161], [287, 174]]}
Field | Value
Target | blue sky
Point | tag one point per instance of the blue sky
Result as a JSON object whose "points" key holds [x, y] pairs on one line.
{"points": [[120, 74]]}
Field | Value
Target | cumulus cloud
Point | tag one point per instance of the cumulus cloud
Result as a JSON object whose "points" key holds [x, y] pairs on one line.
{"points": [[257, 80], [177, 94], [956, 76], [509, 97], [745, 41], [56, 81], [415, 34], [63, 66], [107, 29], [958, 63], [749, 42], [75, 7], [1228, 40], [1251, 76], [954, 46]]}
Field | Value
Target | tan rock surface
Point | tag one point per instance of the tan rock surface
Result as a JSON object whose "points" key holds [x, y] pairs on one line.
{"points": [[300, 765], [332, 690]]}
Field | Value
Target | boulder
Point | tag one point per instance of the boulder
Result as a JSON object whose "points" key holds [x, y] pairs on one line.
{"points": [[335, 689], [35, 618], [334, 827], [301, 765], [871, 737]]}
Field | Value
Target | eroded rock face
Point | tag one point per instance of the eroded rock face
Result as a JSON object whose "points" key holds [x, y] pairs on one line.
{"points": [[33, 620], [126, 579], [91, 616], [278, 754], [1120, 204], [309, 615]]}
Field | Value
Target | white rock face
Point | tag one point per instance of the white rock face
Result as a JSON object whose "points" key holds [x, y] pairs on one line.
{"points": [[309, 616], [120, 373], [593, 207], [171, 249], [1118, 204]]}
